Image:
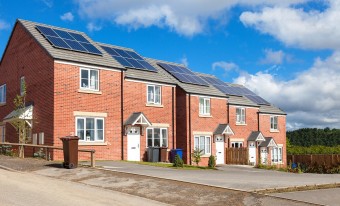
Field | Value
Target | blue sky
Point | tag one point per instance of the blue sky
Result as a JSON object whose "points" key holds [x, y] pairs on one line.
{"points": [[286, 51]]}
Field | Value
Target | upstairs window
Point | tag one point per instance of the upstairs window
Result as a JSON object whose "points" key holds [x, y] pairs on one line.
{"points": [[3, 94], [273, 123], [89, 79], [240, 115], [22, 86], [204, 106], [154, 94]]}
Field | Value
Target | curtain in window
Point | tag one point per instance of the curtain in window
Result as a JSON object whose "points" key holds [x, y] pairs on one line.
{"points": [[207, 146], [93, 79], [202, 144], [164, 138], [84, 78], [100, 129], [80, 129], [90, 129], [157, 94], [156, 137], [201, 106], [196, 142], [150, 94], [207, 106]]}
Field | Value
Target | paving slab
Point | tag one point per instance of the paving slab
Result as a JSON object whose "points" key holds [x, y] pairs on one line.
{"points": [[245, 178]]}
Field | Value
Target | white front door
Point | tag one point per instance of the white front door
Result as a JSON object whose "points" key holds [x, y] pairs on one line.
{"points": [[219, 141], [133, 144], [263, 155], [252, 153]]}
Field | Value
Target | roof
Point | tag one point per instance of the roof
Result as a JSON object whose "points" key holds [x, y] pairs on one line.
{"points": [[68, 55], [143, 75], [189, 88], [223, 129], [271, 109], [137, 118], [269, 142], [244, 101], [255, 136], [24, 113]]}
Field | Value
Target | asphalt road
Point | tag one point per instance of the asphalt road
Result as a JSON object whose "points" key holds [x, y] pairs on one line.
{"points": [[21, 189]]}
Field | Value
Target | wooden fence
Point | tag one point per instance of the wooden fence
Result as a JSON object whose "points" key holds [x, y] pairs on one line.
{"points": [[320, 159], [47, 149], [237, 156]]}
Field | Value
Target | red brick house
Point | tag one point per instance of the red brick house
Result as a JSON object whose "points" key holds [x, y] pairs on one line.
{"points": [[120, 103]]}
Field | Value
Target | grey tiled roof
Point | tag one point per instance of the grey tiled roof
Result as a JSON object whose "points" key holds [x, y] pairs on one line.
{"points": [[266, 142], [244, 101], [137, 74], [68, 55], [271, 109], [189, 88], [253, 135], [221, 128], [133, 117]]}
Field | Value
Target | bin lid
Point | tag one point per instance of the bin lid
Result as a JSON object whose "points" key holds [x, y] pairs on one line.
{"points": [[70, 138]]}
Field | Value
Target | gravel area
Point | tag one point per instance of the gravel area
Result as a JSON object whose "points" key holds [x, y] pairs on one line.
{"points": [[167, 191]]}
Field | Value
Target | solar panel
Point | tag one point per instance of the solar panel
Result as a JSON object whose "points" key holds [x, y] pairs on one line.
{"points": [[183, 74], [129, 59], [68, 40]]}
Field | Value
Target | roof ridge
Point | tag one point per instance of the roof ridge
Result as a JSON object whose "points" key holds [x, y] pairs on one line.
{"points": [[116, 46], [166, 62]]}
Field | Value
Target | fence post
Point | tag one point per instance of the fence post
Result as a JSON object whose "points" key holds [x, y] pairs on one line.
{"points": [[311, 159], [93, 164], [46, 153]]}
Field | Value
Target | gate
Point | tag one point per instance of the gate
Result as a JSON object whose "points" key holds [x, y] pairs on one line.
{"points": [[237, 156]]}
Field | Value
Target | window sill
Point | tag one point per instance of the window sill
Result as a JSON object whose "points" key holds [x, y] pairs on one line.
{"points": [[206, 155], [89, 91], [154, 105], [274, 131], [2, 104], [92, 143], [241, 124], [205, 115]]}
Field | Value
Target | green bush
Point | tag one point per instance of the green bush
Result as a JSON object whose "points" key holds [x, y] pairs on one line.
{"points": [[212, 161], [196, 156], [316, 149], [178, 162]]}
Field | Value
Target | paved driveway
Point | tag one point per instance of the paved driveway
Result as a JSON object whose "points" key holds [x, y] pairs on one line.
{"points": [[237, 177]]}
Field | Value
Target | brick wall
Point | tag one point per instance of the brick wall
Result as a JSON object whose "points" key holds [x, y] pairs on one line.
{"points": [[24, 57]]}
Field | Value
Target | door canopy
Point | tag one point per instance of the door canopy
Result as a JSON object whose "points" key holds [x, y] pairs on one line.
{"points": [[16, 116], [223, 129], [256, 136]]}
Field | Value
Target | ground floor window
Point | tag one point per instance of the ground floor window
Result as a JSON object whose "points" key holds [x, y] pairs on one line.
{"points": [[157, 137], [236, 144], [203, 143], [2, 133], [276, 154], [90, 129]]}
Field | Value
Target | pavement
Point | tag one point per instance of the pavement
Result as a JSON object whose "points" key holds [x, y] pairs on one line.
{"points": [[238, 177], [20, 189]]}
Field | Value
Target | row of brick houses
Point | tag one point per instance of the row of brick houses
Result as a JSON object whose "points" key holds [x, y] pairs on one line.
{"points": [[120, 103]]}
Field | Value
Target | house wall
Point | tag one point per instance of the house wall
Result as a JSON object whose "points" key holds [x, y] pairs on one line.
{"points": [[182, 123], [68, 98], [135, 100], [25, 57], [279, 136]]}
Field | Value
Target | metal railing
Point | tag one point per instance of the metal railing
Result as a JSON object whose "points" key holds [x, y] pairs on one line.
{"points": [[47, 148]]}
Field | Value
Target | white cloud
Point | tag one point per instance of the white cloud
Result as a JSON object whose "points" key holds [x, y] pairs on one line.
{"points": [[187, 18], [185, 61], [4, 25], [273, 57], [226, 66], [48, 3], [67, 17], [93, 27], [311, 99], [298, 28]]}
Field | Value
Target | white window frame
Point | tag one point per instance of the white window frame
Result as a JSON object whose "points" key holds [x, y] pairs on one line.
{"points": [[153, 100], [3, 94], [22, 81], [276, 154], [152, 130], [238, 143], [274, 121], [203, 142], [240, 115], [2, 133], [88, 87], [84, 138], [204, 106]]}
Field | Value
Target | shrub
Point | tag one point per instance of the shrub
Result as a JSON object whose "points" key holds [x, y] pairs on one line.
{"points": [[178, 162], [212, 161], [196, 156]]}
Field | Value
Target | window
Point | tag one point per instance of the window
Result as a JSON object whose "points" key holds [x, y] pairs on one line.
{"points": [[2, 133], [204, 106], [90, 129], [276, 154], [236, 144], [89, 79], [157, 137], [154, 94], [203, 143], [273, 123], [3, 94], [22, 86], [240, 115]]}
